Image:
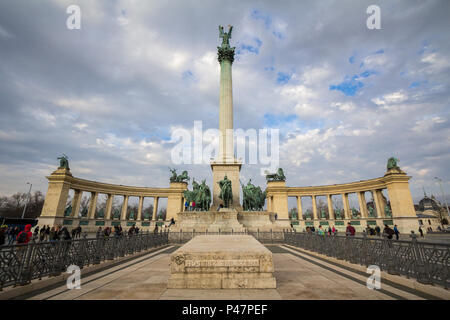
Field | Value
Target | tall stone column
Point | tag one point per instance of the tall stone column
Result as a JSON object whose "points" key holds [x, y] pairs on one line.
{"points": [[330, 207], [155, 208], [76, 202], [93, 205], [378, 205], [269, 203], [175, 203], [362, 204], [299, 208], [226, 164], [123, 215], [399, 194], [226, 142], [56, 198], [109, 203], [139, 213], [346, 205], [314, 207]]}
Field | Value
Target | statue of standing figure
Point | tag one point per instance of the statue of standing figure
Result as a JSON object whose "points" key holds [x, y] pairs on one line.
{"points": [[226, 193], [63, 162], [225, 36]]}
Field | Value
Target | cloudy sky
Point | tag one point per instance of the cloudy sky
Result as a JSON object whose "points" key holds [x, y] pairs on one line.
{"points": [[110, 95]]}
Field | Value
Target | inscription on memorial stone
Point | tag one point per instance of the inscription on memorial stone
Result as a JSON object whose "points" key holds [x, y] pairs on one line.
{"points": [[221, 263]]}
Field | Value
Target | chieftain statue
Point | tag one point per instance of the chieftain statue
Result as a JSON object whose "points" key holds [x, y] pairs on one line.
{"points": [[278, 176], [201, 195], [226, 193], [387, 211], [63, 162], [183, 177], [392, 164], [253, 197]]}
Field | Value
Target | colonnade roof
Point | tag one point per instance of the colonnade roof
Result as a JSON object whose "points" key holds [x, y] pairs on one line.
{"points": [[115, 189], [337, 189]]}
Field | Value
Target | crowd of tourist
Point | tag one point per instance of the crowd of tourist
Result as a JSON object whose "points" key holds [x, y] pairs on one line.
{"points": [[350, 231], [10, 235]]}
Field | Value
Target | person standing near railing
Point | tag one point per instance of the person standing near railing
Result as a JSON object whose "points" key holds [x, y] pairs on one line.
{"points": [[320, 231], [25, 236], [13, 235], [350, 231], [47, 233], [388, 231], [42, 234], [378, 230], [396, 232], [2, 235], [421, 232], [36, 232]]}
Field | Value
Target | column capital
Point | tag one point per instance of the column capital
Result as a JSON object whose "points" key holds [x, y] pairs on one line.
{"points": [[225, 54]]}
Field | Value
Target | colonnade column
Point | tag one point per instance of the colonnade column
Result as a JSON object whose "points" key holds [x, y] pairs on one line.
{"points": [[76, 202], [93, 205], [299, 208], [155, 208], [139, 213], [362, 204], [314, 207], [109, 203], [346, 205], [330, 207], [123, 215], [377, 203]]}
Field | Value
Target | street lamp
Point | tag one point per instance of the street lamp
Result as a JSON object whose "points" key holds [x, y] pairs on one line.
{"points": [[28, 200], [442, 191]]}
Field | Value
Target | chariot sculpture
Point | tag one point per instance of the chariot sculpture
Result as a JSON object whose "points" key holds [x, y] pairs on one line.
{"points": [[278, 176], [183, 177]]}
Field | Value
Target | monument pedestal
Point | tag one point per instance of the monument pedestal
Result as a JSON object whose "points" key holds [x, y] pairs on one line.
{"points": [[231, 170], [224, 220], [222, 262], [261, 221]]}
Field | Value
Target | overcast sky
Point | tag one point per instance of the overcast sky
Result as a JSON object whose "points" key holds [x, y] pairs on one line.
{"points": [[109, 95]]}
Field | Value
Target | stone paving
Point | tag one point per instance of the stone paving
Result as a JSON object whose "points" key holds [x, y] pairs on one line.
{"points": [[298, 276]]}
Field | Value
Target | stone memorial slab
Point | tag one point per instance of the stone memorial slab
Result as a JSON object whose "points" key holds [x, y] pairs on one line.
{"points": [[222, 262]]}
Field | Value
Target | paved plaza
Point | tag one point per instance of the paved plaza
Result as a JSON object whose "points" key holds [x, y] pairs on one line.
{"points": [[299, 275]]}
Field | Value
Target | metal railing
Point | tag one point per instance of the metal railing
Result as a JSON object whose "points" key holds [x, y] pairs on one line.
{"points": [[427, 262], [21, 263], [179, 237]]}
